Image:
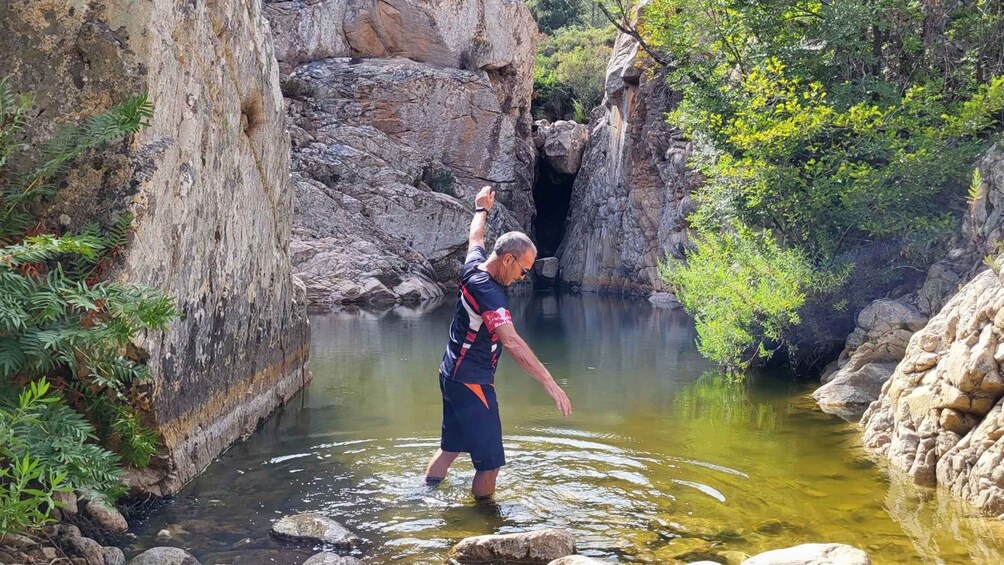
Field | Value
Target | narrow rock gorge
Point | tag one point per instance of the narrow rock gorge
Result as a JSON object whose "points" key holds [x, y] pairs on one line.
{"points": [[399, 111], [632, 191], [208, 184]]}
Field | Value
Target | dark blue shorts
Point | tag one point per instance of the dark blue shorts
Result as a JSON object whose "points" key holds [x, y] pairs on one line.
{"points": [[471, 423]]}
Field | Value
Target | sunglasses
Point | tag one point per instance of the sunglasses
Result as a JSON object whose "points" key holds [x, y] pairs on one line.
{"points": [[522, 271]]}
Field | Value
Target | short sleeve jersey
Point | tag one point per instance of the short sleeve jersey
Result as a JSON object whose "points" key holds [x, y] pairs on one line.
{"points": [[482, 307]]}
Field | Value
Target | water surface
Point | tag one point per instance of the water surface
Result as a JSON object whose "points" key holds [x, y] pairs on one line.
{"points": [[662, 460]]}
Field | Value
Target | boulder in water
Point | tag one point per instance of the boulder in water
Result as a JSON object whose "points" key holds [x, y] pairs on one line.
{"points": [[542, 546], [812, 554], [164, 556], [313, 527]]}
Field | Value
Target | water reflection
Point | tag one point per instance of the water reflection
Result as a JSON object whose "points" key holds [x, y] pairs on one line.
{"points": [[662, 459], [718, 398]]}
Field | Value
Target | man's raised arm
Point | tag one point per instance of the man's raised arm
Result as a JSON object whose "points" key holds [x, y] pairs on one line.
{"points": [[483, 202]]}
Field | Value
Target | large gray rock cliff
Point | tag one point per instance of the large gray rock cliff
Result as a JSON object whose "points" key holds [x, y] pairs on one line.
{"points": [[399, 112], [938, 417], [632, 191], [208, 183], [885, 327]]}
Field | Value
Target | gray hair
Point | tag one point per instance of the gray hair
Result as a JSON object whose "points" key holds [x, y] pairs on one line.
{"points": [[514, 242]]}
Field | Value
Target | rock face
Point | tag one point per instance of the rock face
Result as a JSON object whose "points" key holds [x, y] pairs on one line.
{"points": [[632, 191], [884, 327], [949, 381], [938, 417], [208, 183], [542, 546], [400, 111]]}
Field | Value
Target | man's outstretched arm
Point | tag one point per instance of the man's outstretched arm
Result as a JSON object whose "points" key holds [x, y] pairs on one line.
{"points": [[485, 199], [525, 358]]}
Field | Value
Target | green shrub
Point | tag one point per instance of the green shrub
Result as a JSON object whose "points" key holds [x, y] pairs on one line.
{"points": [[571, 65], [829, 129], [58, 320]]}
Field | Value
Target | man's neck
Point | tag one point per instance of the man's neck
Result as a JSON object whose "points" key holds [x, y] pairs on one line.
{"points": [[493, 267]]}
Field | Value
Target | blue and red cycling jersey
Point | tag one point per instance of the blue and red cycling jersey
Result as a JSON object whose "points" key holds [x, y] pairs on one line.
{"points": [[482, 306]]}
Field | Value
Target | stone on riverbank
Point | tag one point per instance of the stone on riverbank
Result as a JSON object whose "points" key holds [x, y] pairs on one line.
{"points": [[577, 560], [107, 516], [542, 546], [165, 556], [313, 527], [328, 558], [812, 554]]}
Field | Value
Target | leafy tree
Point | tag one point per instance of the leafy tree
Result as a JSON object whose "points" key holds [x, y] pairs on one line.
{"points": [[60, 324], [571, 66], [833, 130]]}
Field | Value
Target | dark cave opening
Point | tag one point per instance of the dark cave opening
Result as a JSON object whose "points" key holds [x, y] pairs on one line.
{"points": [[552, 194]]}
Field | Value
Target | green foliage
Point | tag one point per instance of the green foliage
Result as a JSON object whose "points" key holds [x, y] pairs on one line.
{"points": [[59, 321], [552, 15], [580, 115], [571, 66], [26, 485], [828, 129], [743, 288], [29, 183]]}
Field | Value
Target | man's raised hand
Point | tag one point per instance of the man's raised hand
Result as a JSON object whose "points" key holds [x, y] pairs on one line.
{"points": [[485, 198]]}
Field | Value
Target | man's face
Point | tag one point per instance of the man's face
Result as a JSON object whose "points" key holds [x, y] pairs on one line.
{"points": [[515, 268]]}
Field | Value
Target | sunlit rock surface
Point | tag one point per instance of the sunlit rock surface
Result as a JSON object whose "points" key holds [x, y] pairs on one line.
{"points": [[812, 554], [208, 183], [542, 546], [399, 112], [632, 191], [885, 326]]}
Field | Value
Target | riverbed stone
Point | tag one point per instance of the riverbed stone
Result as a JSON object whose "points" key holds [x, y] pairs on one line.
{"points": [[314, 527], [578, 560], [812, 554], [329, 558], [541, 546], [113, 556], [164, 556]]}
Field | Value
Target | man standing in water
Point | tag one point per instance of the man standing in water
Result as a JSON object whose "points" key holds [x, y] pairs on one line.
{"points": [[471, 420]]}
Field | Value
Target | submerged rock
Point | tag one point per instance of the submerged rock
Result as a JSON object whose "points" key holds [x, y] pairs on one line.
{"points": [[542, 546], [313, 527], [812, 554]]}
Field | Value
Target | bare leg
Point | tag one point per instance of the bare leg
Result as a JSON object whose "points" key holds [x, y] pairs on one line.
{"points": [[441, 461], [484, 483]]}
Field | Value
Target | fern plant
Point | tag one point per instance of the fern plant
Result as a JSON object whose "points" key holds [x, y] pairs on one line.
{"points": [[60, 321]]}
